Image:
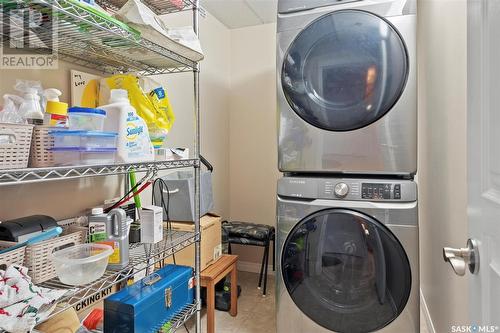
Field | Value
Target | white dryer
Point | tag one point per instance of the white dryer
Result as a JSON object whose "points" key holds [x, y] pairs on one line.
{"points": [[347, 89]]}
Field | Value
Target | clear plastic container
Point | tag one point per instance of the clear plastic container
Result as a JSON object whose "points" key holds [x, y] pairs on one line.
{"points": [[84, 139], [81, 264], [87, 119], [83, 156]]}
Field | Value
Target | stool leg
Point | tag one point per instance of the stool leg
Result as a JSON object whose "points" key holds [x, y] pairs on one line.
{"points": [[211, 307], [265, 269], [262, 268], [229, 250]]}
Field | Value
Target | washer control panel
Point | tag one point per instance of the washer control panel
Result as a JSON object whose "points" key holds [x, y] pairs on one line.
{"points": [[377, 191], [349, 189]]}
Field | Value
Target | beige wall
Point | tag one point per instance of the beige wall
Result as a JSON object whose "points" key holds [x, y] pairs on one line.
{"points": [[442, 155], [70, 198], [253, 151]]}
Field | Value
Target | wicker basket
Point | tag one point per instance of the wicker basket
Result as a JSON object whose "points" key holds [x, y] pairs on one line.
{"points": [[15, 142], [38, 260], [40, 155], [14, 257]]}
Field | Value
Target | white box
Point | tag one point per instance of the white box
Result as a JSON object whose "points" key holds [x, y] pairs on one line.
{"points": [[151, 224]]}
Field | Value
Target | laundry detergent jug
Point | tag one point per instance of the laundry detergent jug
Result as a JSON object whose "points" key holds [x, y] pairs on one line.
{"points": [[134, 144]]}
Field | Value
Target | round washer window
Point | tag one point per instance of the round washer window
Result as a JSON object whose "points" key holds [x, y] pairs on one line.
{"points": [[346, 271], [345, 70]]}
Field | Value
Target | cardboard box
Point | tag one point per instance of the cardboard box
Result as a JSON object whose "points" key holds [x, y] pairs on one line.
{"points": [[211, 242]]}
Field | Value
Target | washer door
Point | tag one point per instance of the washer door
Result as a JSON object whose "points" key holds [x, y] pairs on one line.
{"points": [[346, 271], [345, 70]]}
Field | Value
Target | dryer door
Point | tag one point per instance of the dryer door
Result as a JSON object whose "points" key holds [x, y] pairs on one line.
{"points": [[346, 271], [345, 70]]}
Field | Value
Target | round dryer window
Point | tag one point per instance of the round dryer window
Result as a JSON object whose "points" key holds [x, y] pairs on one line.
{"points": [[346, 271], [345, 70]]}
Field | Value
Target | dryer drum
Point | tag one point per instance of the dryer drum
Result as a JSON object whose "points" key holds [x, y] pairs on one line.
{"points": [[346, 271], [345, 70]]}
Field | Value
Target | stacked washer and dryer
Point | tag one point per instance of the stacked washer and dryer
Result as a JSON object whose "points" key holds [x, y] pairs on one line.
{"points": [[347, 209]]}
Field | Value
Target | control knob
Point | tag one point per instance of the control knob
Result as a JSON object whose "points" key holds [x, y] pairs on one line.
{"points": [[341, 190]]}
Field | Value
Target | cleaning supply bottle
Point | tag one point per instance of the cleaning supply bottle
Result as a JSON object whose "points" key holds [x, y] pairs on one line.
{"points": [[30, 107], [134, 144], [10, 113], [56, 112], [111, 229]]}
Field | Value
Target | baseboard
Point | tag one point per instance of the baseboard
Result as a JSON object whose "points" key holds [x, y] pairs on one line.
{"points": [[253, 267], [427, 314]]}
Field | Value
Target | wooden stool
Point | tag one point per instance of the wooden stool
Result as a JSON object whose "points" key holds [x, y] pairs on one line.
{"points": [[211, 276]]}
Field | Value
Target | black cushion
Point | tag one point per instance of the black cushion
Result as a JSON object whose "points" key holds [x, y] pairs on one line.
{"points": [[248, 233]]}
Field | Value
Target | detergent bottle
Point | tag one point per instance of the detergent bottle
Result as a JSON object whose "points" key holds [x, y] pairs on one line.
{"points": [[111, 229], [134, 144]]}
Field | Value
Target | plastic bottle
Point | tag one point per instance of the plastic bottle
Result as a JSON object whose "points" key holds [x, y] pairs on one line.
{"points": [[30, 107], [134, 144], [111, 229], [10, 113], [56, 112]]}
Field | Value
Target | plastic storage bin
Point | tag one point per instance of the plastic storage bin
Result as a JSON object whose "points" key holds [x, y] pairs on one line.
{"points": [[181, 191], [87, 119], [84, 139], [81, 264], [41, 143], [84, 156], [15, 143]]}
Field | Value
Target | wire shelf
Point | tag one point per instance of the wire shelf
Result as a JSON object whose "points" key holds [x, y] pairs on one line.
{"points": [[160, 7], [143, 257], [93, 41], [33, 175]]}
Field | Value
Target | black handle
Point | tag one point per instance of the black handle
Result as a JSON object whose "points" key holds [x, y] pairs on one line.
{"points": [[206, 163]]}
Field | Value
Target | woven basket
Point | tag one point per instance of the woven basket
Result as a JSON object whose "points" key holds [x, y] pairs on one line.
{"points": [[14, 257], [15, 142], [40, 155], [38, 261]]}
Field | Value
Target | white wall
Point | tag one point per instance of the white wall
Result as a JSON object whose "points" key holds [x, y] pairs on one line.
{"points": [[69, 198], [442, 155], [253, 150]]}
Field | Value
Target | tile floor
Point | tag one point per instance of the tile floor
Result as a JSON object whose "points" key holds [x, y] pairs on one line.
{"points": [[256, 314]]}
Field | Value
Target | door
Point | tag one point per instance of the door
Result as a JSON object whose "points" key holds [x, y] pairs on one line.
{"points": [[480, 261], [346, 271], [345, 70]]}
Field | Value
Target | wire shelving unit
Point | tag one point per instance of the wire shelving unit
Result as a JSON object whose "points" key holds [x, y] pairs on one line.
{"points": [[87, 39]]}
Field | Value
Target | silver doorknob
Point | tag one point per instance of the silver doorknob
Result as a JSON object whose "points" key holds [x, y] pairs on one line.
{"points": [[341, 190], [459, 259]]}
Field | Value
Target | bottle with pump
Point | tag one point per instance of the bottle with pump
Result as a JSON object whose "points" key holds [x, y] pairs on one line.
{"points": [[134, 144], [111, 229], [56, 112], [30, 107]]}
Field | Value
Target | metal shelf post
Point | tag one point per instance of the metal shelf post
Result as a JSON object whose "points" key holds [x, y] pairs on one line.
{"points": [[196, 80]]}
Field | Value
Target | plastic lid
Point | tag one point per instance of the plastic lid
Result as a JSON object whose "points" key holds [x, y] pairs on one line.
{"points": [[58, 108], [77, 109], [118, 95], [83, 133], [97, 211]]}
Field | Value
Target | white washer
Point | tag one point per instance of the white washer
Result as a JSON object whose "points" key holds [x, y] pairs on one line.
{"points": [[347, 89], [347, 256]]}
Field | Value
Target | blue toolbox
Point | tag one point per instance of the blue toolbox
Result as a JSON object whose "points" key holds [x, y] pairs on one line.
{"points": [[148, 304]]}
